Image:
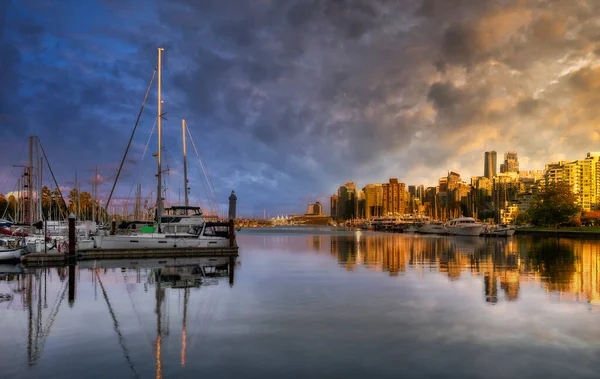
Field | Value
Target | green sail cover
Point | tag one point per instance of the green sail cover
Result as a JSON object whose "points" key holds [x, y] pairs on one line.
{"points": [[147, 229]]}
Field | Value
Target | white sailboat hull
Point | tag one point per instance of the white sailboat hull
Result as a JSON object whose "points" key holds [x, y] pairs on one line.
{"points": [[11, 254], [156, 241], [465, 230], [432, 229]]}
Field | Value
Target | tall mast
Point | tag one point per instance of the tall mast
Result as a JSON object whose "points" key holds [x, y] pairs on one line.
{"points": [[185, 179], [30, 184], [39, 160], [94, 194], [39, 189], [159, 204], [76, 205]]}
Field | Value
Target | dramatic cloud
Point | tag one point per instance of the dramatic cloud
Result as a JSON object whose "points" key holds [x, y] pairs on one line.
{"points": [[286, 100]]}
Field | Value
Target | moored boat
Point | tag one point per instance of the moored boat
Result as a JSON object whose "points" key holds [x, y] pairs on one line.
{"points": [[464, 226], [176, 230], [502, 230], [11, 249], [435, 227]]}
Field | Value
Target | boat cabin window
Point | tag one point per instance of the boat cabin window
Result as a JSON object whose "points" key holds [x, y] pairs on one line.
{"points": [[195, 230], [169, 219], [216, 230]]}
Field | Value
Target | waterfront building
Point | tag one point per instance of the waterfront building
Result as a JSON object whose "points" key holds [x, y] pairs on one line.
{"points": [[373, 200], [347, 202], [394, 197], [453, 180], [430, 202], [360, 204], [582, 176], [489, 164], [504, 193], [334, 206], [314, 209], [511, 163], [532, 174], [443, 184], [416, 198]]}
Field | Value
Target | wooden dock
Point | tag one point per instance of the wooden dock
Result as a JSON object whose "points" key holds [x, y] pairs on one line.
{"points": [[51, 259]]}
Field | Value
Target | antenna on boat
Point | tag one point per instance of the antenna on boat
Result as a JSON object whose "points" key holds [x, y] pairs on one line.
{"points": [[159, 203]]}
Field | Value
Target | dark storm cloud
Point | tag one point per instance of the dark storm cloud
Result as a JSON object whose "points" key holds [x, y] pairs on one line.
{"points": [[286, 99]]}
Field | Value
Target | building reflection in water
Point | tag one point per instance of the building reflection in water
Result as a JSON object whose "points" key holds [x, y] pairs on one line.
{"points": [[568, 269]]}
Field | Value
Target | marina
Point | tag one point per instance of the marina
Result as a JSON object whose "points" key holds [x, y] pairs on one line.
{"points": [[418, 185], [522, 298]]}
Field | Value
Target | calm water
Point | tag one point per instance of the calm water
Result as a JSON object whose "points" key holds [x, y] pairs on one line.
{"points": [[317, 303]]}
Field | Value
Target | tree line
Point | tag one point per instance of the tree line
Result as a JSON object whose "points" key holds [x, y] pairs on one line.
{"points": [[53, 206]]}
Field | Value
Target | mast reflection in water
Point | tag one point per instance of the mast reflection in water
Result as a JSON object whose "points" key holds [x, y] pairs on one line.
{"points": [[314, 303]]}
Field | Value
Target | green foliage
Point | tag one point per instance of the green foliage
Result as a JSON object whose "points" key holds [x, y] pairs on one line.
{"points": [[523, 218], [554, 206], [486, 215]]}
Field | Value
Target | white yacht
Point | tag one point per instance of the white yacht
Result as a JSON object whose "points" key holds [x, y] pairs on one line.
{"points": [[464, 226], [435, 227], [208, 234]]}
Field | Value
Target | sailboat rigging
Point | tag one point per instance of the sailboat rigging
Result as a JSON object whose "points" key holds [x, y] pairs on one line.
{"points": [[176, 230]]}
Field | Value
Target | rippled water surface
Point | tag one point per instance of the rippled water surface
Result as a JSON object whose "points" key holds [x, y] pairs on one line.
{"points": [[315, 303]]}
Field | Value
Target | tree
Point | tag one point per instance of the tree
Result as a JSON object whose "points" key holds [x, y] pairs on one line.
{"points": [[591, 218], [554, 205], [4, 206], [523, 218]]}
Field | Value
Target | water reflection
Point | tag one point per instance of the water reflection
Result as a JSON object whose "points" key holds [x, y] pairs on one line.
{"points": [[566, 268], [40, 293], [311, 305]]}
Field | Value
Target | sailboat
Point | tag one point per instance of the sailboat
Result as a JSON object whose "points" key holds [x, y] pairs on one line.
{"points": [[176, 230]]}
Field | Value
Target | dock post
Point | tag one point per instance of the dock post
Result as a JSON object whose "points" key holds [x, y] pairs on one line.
{"points": [[113, 226], [71, 235], [231, 233], [231, 270], [71, 284]]}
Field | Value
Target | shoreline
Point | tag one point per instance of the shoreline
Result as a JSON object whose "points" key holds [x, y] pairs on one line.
{"points": [[558, 233]]}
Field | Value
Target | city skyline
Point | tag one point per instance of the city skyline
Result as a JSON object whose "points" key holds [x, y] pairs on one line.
{"points": [[288, 100]]}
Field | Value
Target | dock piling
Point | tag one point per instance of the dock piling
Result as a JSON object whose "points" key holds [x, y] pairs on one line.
{"points": [[71, 284], [71, 235], [113, 226], [231, 233], [231, 270]]}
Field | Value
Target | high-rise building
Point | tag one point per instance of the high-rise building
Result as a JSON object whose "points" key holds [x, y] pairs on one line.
{"points": [[373, 200], [582, 176], [490, 164], [443, 184], [314, 209], [334, 206], [347, 201], [453, 180], [394, 197], [511, 163], [318, 209], [505, 192]]}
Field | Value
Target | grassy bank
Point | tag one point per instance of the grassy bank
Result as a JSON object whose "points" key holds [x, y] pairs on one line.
{"points": [[574, 231], [577, 229]]}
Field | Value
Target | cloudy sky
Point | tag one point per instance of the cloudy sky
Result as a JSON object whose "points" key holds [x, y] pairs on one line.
{"points": [[286, 100]]}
